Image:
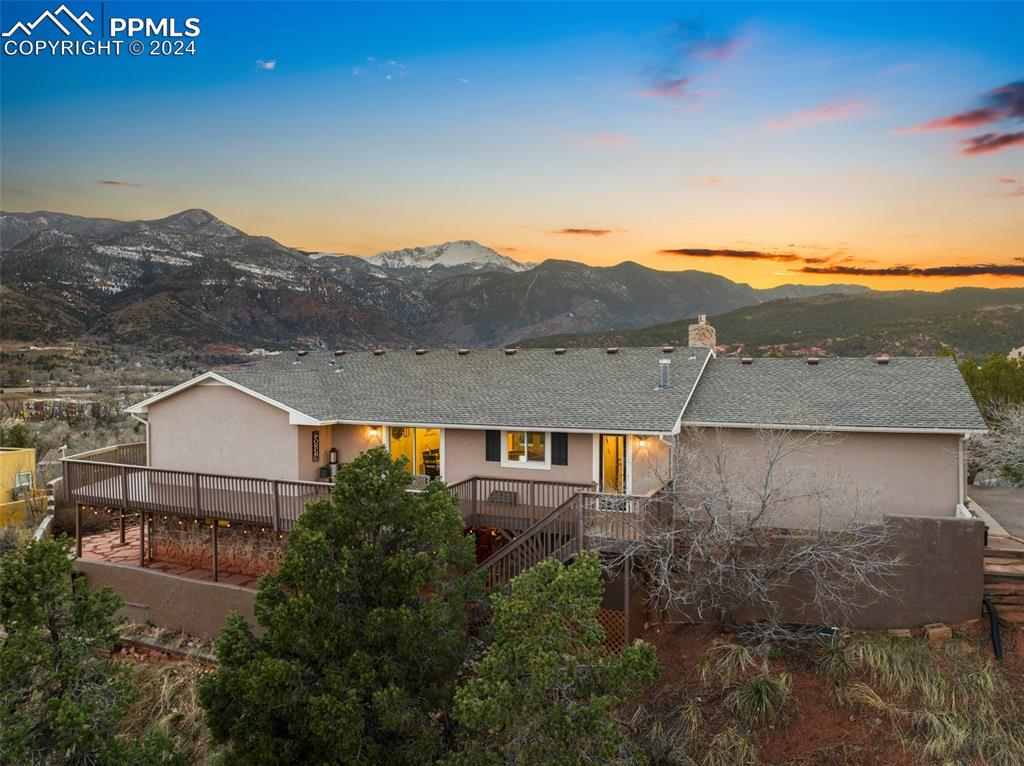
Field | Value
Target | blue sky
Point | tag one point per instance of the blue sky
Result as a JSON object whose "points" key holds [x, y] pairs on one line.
{"points": [[767, 142]]}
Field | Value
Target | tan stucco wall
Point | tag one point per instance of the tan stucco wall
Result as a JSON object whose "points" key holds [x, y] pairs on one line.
{"points": [[650, 463], [464, 453], [213, 428], [879, 473], [351, 440]]}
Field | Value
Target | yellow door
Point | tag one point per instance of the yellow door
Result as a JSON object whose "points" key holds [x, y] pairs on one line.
{"points": [[613, 463]]}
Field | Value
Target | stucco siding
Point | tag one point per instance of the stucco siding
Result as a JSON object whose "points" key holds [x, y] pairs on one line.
{"points": [[869, 474], [465, 451], [351, 440], [650, 464], [213, 428]]}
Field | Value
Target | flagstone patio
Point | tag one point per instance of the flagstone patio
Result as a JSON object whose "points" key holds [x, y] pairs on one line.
{"points": [[107, 546]]}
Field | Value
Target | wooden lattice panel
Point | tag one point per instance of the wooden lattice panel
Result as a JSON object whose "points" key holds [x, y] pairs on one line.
{"points": [[614, 623]]}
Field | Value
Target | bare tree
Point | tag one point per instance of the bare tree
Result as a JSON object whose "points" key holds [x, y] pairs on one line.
{"points": [[753, 530], [1000, 452]]}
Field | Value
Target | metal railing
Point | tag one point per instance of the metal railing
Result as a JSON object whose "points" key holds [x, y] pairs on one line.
{"points": [[275, 503], [512, 504]]}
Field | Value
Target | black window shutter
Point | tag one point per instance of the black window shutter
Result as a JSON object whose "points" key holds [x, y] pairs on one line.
{"points": [[493, 441], [559, 449]]}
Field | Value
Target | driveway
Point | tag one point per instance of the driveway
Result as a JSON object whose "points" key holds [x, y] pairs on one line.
{"points": [[1004, 504]]}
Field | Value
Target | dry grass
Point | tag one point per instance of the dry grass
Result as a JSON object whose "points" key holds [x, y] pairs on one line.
{"points": [[169, 702]]}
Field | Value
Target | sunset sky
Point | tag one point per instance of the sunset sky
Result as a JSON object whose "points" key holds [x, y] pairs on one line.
{"points": [[881, 144]]}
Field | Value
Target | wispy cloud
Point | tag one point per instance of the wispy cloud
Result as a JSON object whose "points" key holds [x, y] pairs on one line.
{"points": [[832, 112], [979, 269], [268, 65], [749, 255], [583, 232], [676, 89], [112, 182], [686, 47], [990, 142], [1003, 103], [713, 181], [1007, 180], [607, 140]]}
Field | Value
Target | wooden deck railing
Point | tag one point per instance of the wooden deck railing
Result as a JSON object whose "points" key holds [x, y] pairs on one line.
{"points": [[512, 504], [275, 503], [133, 453]]}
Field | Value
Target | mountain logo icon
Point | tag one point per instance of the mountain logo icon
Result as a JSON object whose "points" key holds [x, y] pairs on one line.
{"points": [[56, 17]]}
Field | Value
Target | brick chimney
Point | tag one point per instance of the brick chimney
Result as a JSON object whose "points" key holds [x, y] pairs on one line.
{"points": [[702, 335]]}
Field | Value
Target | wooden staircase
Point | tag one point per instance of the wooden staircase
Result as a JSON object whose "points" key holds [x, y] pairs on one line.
{"points": [[558, 535]]}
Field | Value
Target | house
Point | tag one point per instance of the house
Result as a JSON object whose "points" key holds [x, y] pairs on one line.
{"points": [[17, 483], [523, 436]]}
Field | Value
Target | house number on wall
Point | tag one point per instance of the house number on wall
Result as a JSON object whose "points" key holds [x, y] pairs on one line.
{"points": [[316, 446]]}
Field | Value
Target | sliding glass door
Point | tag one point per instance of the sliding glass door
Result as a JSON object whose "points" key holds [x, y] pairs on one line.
{"points": [[421, 447]]}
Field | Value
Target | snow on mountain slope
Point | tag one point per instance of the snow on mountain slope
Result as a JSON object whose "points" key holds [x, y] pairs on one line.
{"points": [[463, 253]]}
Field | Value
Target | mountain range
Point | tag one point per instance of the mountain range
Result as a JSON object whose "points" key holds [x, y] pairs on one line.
{"points": [[971, 321], [190, 279]]}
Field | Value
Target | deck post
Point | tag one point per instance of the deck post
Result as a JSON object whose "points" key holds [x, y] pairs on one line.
{"points": [[142, 539], [78, 530], [216, 568], [124, 500], [627, 571], [277, 507]]}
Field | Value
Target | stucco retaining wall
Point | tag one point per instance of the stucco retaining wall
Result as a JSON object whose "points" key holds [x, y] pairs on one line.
{"points": [[171, 602]]}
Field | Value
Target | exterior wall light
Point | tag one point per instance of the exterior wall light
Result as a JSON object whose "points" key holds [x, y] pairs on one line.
{"points": [[333, 456], [373, 432]]}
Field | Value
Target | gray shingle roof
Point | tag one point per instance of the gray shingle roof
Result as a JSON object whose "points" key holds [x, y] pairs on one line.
{"points": [[907, 393], [582, 389]]}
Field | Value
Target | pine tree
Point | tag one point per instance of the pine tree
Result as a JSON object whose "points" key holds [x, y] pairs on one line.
{"points": [[365, 629]]}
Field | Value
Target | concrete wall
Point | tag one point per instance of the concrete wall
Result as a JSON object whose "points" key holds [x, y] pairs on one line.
{"points": [[174, 603], [464, 457], [213, 428], [870, 474]]}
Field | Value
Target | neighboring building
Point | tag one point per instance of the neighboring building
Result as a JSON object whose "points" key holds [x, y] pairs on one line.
{"points": [[17, 483], [1017, 353]]}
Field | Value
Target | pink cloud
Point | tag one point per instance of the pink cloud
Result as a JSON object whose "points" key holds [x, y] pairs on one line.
{"points": [[834, 112], [675, 88], [963, 121], [991, 142], [713, 181], [608, 140], [719, 50]]}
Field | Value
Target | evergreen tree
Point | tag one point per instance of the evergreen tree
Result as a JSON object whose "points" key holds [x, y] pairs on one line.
{"points": [[61, 699], [365, 630], [546, 690]]}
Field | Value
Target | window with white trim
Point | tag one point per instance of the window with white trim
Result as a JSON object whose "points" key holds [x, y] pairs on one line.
{"points": [[526, 449], [23, 479]]}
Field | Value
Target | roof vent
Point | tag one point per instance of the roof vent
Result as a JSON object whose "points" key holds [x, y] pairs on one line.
{"points": [[463, 351], [612, 349], [559, 351], [667, 349], [746, 360], [421, 351], [883, 359], [510, 351], [340, 352], [812, 360], [301, 353], [378, 352], [664, 364]]}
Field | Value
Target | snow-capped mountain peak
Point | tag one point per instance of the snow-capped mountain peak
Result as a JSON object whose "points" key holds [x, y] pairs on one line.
{"points": [[463, 254]]}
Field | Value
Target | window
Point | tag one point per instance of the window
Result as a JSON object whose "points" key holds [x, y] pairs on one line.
{"points": [[526, 449], [23, 479]]}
